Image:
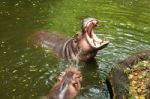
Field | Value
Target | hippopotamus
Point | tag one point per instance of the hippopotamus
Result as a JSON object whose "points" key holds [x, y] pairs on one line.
{"points": [[83, 45], [67, 85]]}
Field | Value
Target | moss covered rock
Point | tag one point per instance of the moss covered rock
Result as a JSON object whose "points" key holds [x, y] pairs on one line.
{"points": [[131, 78]]}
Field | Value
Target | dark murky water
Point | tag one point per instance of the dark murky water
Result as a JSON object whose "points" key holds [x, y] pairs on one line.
{"points": [[27, 73]]}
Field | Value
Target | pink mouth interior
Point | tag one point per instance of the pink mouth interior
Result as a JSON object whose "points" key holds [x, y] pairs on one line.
{"points": [[92, 38]]}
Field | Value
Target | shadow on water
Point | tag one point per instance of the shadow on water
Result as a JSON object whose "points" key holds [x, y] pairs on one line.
{"points": [[28, 72], [88, 72]]}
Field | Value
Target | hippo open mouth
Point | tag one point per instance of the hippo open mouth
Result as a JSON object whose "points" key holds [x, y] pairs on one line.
{"points": [[88, 25]]}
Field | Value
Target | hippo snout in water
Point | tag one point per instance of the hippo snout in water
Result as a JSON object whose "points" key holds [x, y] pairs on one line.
{"points": [[67, 85], [84, 45]]}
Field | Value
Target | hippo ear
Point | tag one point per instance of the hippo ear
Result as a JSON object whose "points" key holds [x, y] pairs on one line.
{"points": [[77, 36]]}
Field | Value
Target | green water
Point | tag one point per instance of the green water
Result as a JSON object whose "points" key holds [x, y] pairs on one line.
{"points": [[27, 72]]}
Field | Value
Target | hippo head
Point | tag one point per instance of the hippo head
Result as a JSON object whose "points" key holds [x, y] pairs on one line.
{"points": [[68, 84], [87, 41]]}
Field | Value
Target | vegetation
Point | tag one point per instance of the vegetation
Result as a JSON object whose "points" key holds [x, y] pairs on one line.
{"points": [[138, 76]]}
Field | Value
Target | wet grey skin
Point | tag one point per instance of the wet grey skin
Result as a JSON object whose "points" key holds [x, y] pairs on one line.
{"points": [[67, 86], [84, 44], [60, 91]]}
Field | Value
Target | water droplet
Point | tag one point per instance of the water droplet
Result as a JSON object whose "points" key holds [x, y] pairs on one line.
{"points": [[37, 21], [33, 95], [129, 24], [20, 63], [32, 70], [28, 48], [24, 80], [16, 4], [51, 11], [15, 51], [8, 48], [14, 71], [14, 90], [29, 78], [145, 28], [46, 65], [7, 13], [17, 18], [22, 56], [2, 46], [3, 42], [25, 60], [46, 82], [40, 70], [41, 77], [26, 85], [50, 78], [16, 77], [34, 4], [122, 24]]}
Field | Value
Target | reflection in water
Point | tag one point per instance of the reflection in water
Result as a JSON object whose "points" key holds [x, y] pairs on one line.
{"points": [[28, 72]]}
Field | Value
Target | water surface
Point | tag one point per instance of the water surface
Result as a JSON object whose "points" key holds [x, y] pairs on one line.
{"points": [[28, 72]]}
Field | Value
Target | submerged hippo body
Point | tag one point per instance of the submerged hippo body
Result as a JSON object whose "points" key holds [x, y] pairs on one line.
{"points": [[83, 45], [67, 86]]}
